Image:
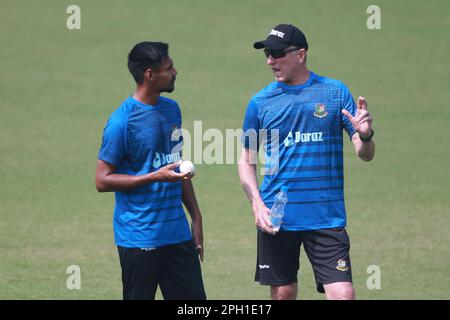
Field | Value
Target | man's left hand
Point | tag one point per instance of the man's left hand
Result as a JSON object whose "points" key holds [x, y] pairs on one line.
{"points": [[197, 235], [362, 121]]}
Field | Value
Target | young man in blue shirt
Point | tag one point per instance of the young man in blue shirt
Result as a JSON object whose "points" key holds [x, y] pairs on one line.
{"points": [[141, 149], [306, 114]]}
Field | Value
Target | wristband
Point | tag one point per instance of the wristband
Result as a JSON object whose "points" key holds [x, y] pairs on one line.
{"points": [[369, 138]]}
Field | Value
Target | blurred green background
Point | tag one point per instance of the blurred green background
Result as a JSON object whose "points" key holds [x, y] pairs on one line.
{"points": [[59, 86]]}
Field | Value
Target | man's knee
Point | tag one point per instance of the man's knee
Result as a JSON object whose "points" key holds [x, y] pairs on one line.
{"points": [[340, 291], [287, 292]]}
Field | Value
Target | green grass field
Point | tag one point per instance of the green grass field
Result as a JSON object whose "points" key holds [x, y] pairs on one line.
{"points": [[58, 87]]}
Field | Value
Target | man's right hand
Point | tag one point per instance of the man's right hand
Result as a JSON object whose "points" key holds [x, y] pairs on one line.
{"points": [[262, 221], [168, 174]]}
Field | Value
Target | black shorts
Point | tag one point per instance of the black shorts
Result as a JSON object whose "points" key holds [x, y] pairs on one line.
{"points": [[175, 268], [277, 261]]}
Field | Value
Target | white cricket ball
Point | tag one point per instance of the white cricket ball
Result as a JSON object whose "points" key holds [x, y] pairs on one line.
{"points": [[187, 166]]}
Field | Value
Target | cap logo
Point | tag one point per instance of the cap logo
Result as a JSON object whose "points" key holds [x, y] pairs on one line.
{"points": [[276, 33]]}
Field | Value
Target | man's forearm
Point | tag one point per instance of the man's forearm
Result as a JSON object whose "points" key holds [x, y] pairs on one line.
{"points": [[123, 182], [364, 150], [249, 182], [189, 199], [107, 180], [367, 152]]}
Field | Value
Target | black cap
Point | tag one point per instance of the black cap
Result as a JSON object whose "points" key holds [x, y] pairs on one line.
{"points": [[283, 36]]}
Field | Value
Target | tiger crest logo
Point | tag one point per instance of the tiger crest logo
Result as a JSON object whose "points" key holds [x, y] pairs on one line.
{"points": [[342, 265], [320, 111], [176, 133]]}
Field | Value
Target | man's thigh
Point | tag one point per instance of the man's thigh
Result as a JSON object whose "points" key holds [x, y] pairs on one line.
{"points": [[139, 272], [181, 276], [328, 251], [277, 258]]}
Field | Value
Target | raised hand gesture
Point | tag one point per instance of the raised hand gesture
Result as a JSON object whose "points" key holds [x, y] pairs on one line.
{"points": [[362, 121]]}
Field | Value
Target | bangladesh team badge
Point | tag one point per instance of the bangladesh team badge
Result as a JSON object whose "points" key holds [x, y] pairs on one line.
{"points": [[175, 133], [342, 265], [320, 111]]}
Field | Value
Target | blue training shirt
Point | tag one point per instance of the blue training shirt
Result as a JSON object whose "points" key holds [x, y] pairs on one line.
{"points": [[138, 139], [309, 123]]}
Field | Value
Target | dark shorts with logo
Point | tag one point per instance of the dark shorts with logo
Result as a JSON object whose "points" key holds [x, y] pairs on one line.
{"points": [[174, 268], [278, 257]]}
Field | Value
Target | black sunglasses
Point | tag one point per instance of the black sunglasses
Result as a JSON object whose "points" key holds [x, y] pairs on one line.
{"points": [[278, 53]]}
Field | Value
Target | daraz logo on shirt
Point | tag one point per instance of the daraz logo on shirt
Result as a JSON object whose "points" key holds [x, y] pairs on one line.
{"points": [[162, 159], [302, 137]]}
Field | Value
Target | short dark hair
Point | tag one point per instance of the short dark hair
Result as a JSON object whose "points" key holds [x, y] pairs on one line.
{"points": [[146, 55]]}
